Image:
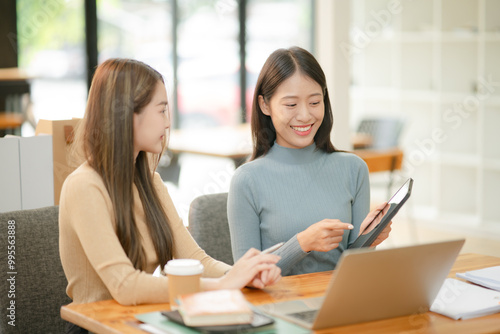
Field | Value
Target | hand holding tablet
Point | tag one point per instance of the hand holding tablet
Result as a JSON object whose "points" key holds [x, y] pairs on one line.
{"points": [[371, 229]]}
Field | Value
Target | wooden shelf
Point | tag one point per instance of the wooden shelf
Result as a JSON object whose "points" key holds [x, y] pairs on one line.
{"points": [[434, 64]]}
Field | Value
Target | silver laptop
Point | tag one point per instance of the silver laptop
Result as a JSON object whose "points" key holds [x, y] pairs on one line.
{"points": [[370, 284]]}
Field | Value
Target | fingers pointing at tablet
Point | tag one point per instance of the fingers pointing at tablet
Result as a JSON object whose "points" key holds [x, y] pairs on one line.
{"points": [[323, 236], [327, 234]]}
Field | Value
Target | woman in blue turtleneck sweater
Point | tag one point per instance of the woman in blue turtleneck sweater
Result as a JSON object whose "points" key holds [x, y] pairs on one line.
{"points": [[297, 188]]}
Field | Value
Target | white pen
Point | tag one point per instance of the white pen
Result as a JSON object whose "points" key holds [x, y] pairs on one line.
{"points": [[272, 248]]}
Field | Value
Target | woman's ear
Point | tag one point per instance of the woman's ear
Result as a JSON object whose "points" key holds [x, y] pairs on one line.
{"points": [[263, 106]]}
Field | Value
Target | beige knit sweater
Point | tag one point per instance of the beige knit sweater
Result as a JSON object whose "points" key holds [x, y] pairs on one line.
{"points": [[93, 259]]}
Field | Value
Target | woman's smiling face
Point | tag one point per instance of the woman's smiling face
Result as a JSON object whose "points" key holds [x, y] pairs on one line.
{"points": [[296, 110]]}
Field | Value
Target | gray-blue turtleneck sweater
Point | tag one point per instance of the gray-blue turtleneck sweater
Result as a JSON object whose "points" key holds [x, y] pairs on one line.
{"points": [[276, 196]]}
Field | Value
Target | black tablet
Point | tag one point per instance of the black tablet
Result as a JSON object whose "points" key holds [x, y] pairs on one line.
{"points": [[377, 225]]}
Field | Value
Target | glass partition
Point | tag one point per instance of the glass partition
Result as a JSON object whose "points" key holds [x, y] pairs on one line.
{"points": [[273, 24], [208, 58], [51, 42], [137, 29]]}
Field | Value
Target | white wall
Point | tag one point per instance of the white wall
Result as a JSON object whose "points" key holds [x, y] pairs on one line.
{"points": [[331, 29], [424, 61]]}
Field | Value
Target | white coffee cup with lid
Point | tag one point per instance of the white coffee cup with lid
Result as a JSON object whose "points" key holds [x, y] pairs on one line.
{"points": [[183, 278]]}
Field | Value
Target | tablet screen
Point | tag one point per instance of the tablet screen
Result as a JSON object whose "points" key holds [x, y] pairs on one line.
{"points": [[369, 233]]}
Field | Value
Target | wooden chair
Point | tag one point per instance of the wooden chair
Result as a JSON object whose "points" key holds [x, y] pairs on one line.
{"points": [[381, 152], [389, 160]]}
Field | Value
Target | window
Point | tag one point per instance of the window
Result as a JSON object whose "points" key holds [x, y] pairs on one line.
{"points": [[272, 25], [196, 44], [136, 29], [51, 46], [208, 63]]}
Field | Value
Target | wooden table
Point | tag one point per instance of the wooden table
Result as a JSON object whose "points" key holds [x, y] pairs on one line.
{"points": [[235, 142], [389, 160], [381, 160], [10, 120], [110, 317], [13, 82], [13, 74]]}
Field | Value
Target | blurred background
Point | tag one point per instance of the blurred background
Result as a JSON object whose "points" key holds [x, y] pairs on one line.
{"points": [[195, 44], [427, 72]]}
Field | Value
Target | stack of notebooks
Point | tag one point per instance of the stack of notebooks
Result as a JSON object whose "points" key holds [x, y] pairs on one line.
{"points": [[461, 300], [488, 277]]}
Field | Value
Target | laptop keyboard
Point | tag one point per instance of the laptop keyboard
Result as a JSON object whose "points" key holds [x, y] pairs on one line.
{"points": [[307, 316]]}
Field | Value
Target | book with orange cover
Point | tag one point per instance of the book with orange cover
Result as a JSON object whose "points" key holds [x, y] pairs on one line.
{"points": [[219, 307]]}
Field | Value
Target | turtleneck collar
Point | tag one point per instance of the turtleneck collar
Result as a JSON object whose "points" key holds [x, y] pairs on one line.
{"points": [[294, 156]]}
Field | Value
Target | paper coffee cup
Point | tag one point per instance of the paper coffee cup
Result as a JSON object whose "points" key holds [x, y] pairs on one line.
{"points": [[183, 278]]}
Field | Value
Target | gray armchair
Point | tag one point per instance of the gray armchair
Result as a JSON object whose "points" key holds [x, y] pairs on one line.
{"points": [[385, 132], [34, 280], [209, 227]]}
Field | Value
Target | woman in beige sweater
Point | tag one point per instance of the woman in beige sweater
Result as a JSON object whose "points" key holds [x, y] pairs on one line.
{"points": [[117, 221]]}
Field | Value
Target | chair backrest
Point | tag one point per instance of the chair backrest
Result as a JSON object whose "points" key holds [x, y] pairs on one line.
{"points": [[209, 227], [384, 132], [32, 283]]}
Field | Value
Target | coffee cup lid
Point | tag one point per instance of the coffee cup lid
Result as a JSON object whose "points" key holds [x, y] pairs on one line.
{"points": [[183, 267]]}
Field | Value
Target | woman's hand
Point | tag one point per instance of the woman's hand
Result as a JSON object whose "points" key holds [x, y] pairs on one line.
{"points": [[367, 225], [266, 278], [252, 269], [383, 235], [371, 220], [323, 236]]}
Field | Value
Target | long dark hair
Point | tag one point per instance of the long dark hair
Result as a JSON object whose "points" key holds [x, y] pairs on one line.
{"points": [[279, 66], [120, 88]]}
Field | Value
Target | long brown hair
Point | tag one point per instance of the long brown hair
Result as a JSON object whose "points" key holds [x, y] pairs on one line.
{"points": [[120, 88], [279, 66]]}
